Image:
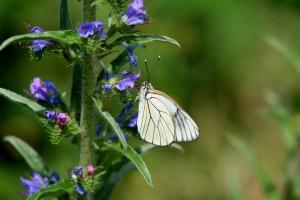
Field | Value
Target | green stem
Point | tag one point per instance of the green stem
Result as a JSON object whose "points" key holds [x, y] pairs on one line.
{"points": [[89, 79], [292, 181], [88, 113], [89, 12]]}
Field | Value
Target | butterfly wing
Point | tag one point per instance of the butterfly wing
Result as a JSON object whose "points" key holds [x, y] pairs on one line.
{"points": [[185, 127], [155, 123]]}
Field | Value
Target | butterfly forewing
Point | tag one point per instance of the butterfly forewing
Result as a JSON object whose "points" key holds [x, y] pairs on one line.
{"points": [[161, 121], [155, 123]]}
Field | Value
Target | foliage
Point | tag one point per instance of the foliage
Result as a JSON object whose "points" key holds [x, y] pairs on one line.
{"points": [[84, 47]]}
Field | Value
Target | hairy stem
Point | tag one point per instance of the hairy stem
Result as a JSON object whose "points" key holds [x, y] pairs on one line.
{"points": [[88, 113], [88, 81]]}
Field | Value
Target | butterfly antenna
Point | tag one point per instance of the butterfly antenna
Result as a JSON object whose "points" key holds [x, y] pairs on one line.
{"points": [[146, 65]]}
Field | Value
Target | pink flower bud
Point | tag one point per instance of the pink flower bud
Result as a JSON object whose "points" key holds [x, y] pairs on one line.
{"points": [[90, 169]]}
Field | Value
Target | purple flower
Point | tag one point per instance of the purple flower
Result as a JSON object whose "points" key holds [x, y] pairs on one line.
{"points": [[88, 29], [80, 189], [38, 45], [62, 119], [50, 115], [133, 121], [132, 58], [44, 91], [34, 184], [38, 89], [127, 83], [135, 14]]}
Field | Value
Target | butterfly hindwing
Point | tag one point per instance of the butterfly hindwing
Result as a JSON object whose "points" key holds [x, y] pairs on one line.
{"points": [[185, 128]]}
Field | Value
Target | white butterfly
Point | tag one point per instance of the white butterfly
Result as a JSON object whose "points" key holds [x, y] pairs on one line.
{"points": [[161, 121]]}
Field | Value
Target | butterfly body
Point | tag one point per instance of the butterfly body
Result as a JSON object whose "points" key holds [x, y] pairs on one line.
{"points": [[161, 121]]}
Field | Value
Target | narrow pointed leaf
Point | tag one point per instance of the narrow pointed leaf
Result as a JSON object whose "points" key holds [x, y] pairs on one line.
{"points": [[64, 16], [286, 52], [235, 191], [21, 100], [111, 121], [54, 190], [63, 37], [28, 153], [121, 60], [267, 183], [137, 39], [135, 158]]}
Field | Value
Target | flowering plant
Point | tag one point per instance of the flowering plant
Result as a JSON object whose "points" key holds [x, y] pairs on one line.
{"points": [[96, 132]]}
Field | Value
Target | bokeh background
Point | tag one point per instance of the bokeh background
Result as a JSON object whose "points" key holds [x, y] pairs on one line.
{"points": [[220, 76]]}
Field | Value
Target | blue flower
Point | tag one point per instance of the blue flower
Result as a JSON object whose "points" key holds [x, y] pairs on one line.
{"points": [[132, 58], [54, 177], [127, 83], [107, 87], [44, 91], [99, 129], [80, 189], [115, 137], [121, 120], [34, 184], [88, 29], [124, 112], [135, 14], [50, 115], [38, 45], [125, 73], [132, 122], [77, 172]]}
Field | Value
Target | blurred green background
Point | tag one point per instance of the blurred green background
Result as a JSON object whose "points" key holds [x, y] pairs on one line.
{"points": [[220, 76]]}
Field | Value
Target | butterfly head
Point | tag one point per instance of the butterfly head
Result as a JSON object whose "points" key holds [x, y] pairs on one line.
{"points": [[146, 85]]}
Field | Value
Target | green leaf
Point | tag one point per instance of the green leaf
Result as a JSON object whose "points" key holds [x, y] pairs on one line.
{"points": [[283, 115], [235, 191], [54, 190], [64, 17], [289, 55], [21, 100], [111, 121], [137, 39], [29, 154], [121, 60], [135, 158], [267, 183], [63, 37]]}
